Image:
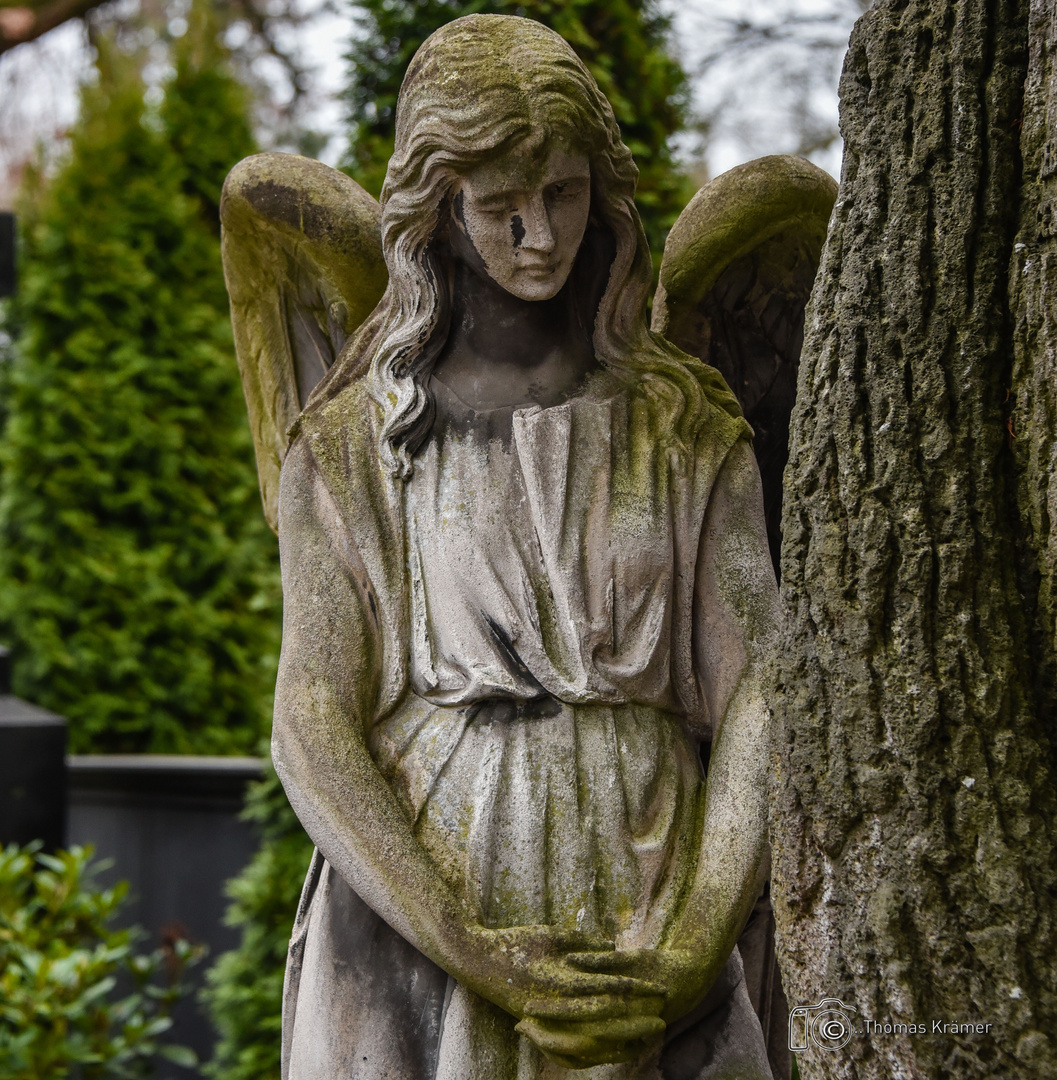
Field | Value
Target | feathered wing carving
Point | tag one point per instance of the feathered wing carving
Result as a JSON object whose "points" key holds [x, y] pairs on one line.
{"points": [[303, 263], [736, 275]]}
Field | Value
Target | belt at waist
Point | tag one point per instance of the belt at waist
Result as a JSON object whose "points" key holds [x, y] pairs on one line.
{"points": [[506, 709]]}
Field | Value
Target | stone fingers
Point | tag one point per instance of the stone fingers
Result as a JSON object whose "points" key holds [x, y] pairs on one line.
{"points": [[596, 1042], [594, 1007]]}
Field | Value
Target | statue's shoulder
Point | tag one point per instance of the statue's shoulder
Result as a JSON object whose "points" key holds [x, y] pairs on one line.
{"points": [[346, 416], [717, 422], [722, 406]]}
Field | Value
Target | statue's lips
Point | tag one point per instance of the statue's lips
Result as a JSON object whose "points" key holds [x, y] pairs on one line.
{"points": [[538, 269]]}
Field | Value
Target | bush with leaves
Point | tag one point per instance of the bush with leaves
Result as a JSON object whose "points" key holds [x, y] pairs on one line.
{"points": [[138, 581], [624, 43], [243, 995], [74, 993]]}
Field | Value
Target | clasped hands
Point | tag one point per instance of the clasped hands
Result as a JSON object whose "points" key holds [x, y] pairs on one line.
{"points": [[581, 1000]]}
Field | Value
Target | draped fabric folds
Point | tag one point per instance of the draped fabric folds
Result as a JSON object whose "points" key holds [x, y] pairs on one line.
{"points": [[542, 734]]}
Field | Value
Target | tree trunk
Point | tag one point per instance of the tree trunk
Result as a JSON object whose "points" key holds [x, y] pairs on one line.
{"points": [[1034, 303], [914, 871]]}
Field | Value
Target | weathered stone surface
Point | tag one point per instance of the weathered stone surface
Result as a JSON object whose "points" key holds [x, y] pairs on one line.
{"points": [[737, 272], [303, 264], [526, 588]]}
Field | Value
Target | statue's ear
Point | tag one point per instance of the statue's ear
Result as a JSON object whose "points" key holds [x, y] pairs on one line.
{"points": [[736, 276], [304, 268]]}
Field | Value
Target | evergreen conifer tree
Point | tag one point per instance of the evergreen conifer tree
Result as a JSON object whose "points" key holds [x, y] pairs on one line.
{"points": [[622, 42], [138, 581]]}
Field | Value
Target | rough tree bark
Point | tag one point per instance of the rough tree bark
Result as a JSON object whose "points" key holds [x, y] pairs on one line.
{"points": [[914, 870]]}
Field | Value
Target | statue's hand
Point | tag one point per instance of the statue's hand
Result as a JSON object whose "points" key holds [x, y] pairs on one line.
{"points": [[577, 1016], [602, 1030], [684, 974], [526, 971], [579, 1031]]}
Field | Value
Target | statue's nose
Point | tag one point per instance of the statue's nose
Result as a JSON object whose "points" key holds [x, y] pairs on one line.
{"points": [[539, 234]]}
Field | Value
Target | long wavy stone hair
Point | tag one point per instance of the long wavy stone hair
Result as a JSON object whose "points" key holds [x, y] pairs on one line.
{"points": [[477, 87]]}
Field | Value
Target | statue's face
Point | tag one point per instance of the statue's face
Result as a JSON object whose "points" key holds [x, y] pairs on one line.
{"points": [[523, 216]]}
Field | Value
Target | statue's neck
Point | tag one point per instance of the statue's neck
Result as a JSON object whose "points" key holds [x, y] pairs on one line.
{"points": [[502, 350]]}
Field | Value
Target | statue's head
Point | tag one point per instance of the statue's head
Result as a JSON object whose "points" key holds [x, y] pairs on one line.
{"points": [[503, 136], [496, 116]]}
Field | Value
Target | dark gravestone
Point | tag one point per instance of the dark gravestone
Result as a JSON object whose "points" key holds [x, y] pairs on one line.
{"points": [[171, 826], [7, 254], [32, 769]]}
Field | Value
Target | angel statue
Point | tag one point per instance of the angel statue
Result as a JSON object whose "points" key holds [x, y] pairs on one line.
{"points": [[521, 707]]}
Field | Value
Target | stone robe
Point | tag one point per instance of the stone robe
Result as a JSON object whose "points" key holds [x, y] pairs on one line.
{"points": [[532, 700]]}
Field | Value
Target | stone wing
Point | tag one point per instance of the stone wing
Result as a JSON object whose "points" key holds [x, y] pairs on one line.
{"points": [[736, 276], [303, 263]]}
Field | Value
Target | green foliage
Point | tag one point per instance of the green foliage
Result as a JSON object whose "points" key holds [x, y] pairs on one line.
{"points": [[243, 994], [139, 582], [622, 42], [60, 971]]}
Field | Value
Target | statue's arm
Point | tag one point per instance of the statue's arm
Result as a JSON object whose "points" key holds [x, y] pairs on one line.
{"points": [[735, 622], [326, 699], [326, 696], [735, 625]]}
